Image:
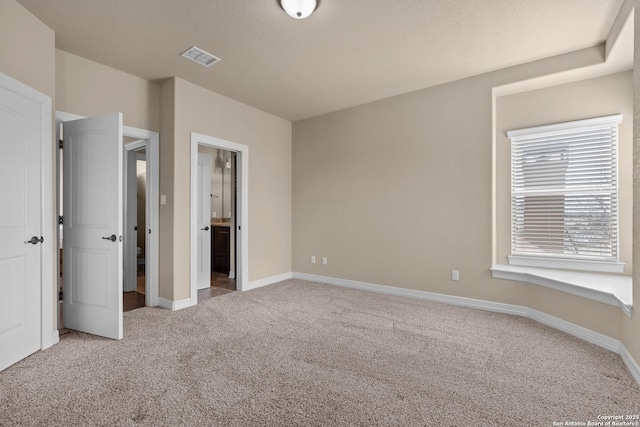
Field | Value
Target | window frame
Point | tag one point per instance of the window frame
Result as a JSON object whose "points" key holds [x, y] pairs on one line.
{"points": [[564, 261]]}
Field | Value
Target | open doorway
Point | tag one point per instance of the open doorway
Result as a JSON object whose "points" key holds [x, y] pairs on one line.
{"points": [[219, 215], [144, 144], [135, 224]]}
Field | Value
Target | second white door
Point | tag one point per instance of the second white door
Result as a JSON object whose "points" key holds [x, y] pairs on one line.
{"points": [[204, 221]]}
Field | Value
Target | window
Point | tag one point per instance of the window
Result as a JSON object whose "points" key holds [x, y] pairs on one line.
{"points": [[564, 195]]}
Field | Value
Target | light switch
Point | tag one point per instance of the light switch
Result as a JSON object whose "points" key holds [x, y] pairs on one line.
{"points": [[163, 199]]}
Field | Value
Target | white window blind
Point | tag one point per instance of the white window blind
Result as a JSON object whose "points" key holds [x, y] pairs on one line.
{"points": [[564, 190]]}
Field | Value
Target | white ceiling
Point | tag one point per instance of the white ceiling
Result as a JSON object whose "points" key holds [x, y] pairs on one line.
{"points": [[349, 52]]}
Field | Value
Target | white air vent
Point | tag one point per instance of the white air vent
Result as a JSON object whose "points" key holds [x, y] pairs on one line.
{"points": [[199, 56]]}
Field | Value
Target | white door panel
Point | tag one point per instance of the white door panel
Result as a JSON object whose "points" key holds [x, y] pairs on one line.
{"points": [[20, 210], [204, 221], [93, 225]]}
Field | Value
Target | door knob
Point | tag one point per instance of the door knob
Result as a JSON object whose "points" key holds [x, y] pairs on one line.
{"points": [[205, 229], [113, 238], [34, 240]]}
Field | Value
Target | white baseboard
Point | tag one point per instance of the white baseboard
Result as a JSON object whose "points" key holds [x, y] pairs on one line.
{"points": [[588, 335], [631, 364], [411, 293], [267, 281], [232, 274], [174, 305]]}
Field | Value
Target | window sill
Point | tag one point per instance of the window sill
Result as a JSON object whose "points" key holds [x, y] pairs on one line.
{"points": [[566, 264], [604, 288]]}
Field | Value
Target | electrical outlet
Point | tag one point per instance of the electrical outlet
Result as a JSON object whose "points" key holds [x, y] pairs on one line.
{"points": [[455, 275], [324, 260], [313, 259]]}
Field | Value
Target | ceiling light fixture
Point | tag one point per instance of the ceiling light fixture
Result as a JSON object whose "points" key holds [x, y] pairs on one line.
{"points": [[299, 9], [199, 56]]}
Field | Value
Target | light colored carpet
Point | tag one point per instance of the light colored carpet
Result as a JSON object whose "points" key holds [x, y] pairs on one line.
{"points": [[300, 353]]}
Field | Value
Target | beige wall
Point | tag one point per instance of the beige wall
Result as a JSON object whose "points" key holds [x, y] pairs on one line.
{"points": [[167, 138], [89, 89], [399, 192], [27, 48], [576, 101], [269, 141]]}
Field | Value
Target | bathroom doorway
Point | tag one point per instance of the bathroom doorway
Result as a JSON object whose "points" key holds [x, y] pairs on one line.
{"points": [[217, 233], [135, 224], [237, 213]]}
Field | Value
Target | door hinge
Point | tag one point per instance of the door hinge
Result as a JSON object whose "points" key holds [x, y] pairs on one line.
{"points": [[60, 220], [60, 144], [60, 296]]}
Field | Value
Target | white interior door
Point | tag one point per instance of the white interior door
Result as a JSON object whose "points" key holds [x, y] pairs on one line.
{"points": [[130, 223], [20, 219], [92, 249], [204, 221]]}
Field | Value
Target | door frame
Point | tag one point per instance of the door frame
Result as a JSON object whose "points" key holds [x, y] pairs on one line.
{"points": [[48, 292], [242, 196], [153, 206]]}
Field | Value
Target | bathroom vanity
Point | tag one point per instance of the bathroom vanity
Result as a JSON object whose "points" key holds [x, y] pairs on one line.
{"points": [[220, 247]]}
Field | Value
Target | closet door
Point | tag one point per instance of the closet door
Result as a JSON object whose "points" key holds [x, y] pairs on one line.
{"points": [[20, 227]]}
